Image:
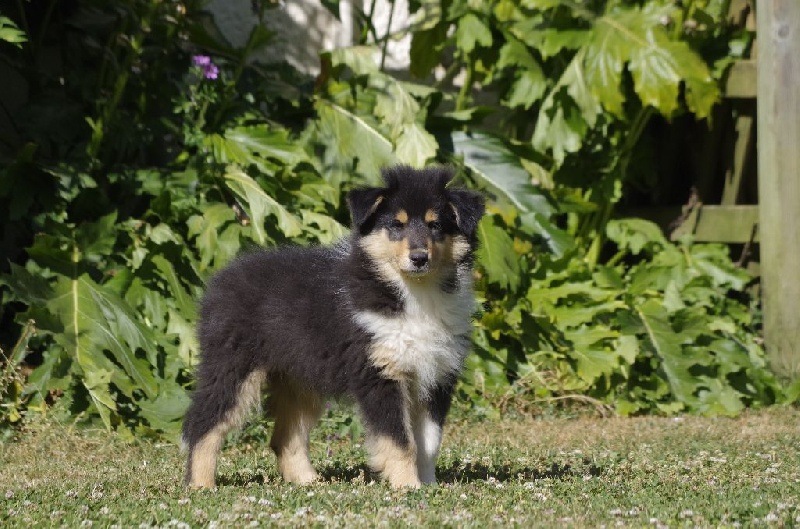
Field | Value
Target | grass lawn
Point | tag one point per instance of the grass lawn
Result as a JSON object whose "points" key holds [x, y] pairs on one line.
{"points": [[686, 471]]}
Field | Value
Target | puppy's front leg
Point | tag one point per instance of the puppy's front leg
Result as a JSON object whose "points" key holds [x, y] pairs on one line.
{"points": [[390, 442], [428, 421], [428, 438]]}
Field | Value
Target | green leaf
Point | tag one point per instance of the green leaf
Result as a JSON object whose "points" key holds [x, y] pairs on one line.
{"points": [[496, 254], [415, 145], [165, 411], [549, 42], [668, 346], [425, 48], [394, 105], [95, 240], [330, 229], [260, 205], [182, 299], [362, 60], [591, 348], [94, 320], [718, 398], [207, 229], [10, 33], [471, 33], [561, 123], [657, 63], [558, 241], [497, 167], [515, 55], [636, 235], [527, 89], [260, 145], [352, 145]]}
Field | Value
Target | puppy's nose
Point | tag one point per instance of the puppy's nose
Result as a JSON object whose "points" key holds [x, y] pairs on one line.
{"points": [[418, 257]]}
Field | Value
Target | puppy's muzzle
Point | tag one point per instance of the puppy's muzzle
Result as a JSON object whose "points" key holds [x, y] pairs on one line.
{"points": [[419, 258]]}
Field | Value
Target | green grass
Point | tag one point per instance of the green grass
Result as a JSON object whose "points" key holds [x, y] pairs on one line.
{"points": [[579, 472]]}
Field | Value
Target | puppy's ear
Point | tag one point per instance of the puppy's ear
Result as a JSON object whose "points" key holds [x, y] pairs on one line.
{"points": [[363, 204], [468, 207]]}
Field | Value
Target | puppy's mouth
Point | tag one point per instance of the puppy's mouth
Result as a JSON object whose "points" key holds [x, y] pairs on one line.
{"points": [[416, 271], [417, 263]]}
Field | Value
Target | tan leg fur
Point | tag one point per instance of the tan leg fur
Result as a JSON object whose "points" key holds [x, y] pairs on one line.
{"points": [[204, 454], [296, 413]]}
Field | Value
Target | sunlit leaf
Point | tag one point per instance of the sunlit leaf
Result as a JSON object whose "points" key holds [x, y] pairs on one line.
{"points": [[471, 33], [354, 145], [415, 145], [496, 254], [259, 205], [493, 163]]}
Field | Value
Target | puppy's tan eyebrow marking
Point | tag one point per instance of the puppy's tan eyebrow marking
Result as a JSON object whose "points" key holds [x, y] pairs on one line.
{"points": [[402, 216], [431, 216]]}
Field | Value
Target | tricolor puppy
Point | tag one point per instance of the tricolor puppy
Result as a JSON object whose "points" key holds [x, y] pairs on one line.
{"points": [[382, 318]]}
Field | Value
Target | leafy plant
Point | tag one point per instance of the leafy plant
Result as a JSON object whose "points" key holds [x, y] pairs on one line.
{"points": [[9, 32], [180, 151]]}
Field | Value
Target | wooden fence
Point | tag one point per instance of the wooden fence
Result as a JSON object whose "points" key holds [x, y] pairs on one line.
{"points": [[757, 128], [779, 179]]}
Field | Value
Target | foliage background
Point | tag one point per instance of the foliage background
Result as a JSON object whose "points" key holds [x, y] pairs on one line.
{"points": [[131, 171]]}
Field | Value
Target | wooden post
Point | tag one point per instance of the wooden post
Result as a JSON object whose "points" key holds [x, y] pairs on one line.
{"points": [[778, 23]]}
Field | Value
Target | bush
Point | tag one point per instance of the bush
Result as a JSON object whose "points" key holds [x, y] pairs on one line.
{"points": [[152, 152]]}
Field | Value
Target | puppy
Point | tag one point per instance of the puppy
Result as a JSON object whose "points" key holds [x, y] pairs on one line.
{"points": [[383, 317]]}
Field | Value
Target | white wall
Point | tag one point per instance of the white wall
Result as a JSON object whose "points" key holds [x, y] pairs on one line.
{"points": [[304, 28]]}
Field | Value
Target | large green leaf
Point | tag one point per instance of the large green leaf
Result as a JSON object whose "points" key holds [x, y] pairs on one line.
{"points": [[361, 59], [425, 47], [637, 37], [330, 229], [415, 145], [624, 37], [594, 349], [676, 361], [259, 145], [497, 167], [352, 145], [260, 205], [167, 409], [215, 234], [94, 320], [496, 254], [562, 123]]}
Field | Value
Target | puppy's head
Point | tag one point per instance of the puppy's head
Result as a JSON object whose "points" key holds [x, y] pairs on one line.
{"points": [[414, 226]]}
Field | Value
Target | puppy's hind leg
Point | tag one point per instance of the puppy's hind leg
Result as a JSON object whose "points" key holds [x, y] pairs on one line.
{"points": [[296, 411], [221, 402]]}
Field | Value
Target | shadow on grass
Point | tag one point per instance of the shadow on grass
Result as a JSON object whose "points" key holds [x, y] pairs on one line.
{"points": [[455, 473], [472, 472], [241, 479]]}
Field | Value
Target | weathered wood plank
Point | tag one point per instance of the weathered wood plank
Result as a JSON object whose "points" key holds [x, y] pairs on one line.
{"points": [[743, 153], [728, 224], [742, 80], [778, 58]]}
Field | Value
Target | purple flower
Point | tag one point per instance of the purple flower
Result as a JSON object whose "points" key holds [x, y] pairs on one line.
{"points": [[210, 70]]}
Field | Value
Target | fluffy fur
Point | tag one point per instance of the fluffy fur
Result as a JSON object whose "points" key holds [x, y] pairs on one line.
{"points": [[382, 318]]}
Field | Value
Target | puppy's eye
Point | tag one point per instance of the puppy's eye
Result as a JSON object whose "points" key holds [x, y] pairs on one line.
{"points": [[434, 225], [397, 225]]}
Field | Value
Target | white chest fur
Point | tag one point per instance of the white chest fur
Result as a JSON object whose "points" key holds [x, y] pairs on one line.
{"points": [[428, 341]]}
